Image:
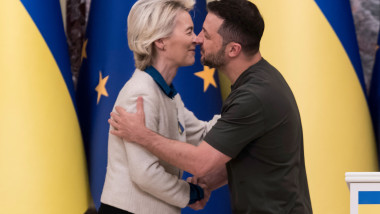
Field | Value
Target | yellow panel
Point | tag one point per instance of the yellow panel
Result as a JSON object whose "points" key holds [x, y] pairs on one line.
{"points": [[42, 160], [369, 209]]}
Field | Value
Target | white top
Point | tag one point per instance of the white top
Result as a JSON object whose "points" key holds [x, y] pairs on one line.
{"points": [[136, 180]]}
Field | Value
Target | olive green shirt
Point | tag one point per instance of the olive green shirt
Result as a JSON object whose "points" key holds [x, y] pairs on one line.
{"points": [[260, 129]]}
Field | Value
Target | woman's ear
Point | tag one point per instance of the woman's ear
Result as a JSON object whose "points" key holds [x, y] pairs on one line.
{"points": [[159, 43]]}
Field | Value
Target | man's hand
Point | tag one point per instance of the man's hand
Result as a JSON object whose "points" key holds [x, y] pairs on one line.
{"points": [[129, 126], [206, 191]]}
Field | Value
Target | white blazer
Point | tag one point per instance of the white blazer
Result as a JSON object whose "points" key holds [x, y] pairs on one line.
{"points": [[136, 180]]}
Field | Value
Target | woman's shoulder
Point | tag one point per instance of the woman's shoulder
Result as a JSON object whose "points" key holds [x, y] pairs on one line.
{"points": [[140, 80], [140, 84]]}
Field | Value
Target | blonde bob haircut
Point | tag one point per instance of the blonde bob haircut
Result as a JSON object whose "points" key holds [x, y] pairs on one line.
{"points": [[150, 20]]}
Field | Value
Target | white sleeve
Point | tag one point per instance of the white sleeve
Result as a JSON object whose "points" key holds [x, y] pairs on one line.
{"points": [[196, 129], [145, 168]]}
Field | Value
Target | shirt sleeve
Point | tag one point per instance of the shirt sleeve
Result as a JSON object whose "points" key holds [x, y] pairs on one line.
{"points": [[241, 122], [145, 169], [196, 193]]}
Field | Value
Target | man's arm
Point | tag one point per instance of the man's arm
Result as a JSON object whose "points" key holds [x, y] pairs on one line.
{"points": [[212, 181], [217, 178], [198, 160]]}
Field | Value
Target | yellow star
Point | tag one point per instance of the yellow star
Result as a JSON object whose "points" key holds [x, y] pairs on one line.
{"points": [[84, 52], [208, 77], [101, 87]]}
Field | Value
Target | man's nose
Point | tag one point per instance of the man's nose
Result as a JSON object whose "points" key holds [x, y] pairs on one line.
{"points": [[199, 39]]}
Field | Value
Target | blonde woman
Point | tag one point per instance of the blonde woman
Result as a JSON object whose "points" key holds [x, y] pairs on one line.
{"points": [[161, 36]]}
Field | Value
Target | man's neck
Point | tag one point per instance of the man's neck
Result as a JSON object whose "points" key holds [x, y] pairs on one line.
{"points": [[234, 68]]}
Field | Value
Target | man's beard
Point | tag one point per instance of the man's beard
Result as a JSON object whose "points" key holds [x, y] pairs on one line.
{"points": [[214, 60]]}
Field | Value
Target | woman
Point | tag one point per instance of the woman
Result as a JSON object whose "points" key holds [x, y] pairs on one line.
{"points": [[160, 34]]}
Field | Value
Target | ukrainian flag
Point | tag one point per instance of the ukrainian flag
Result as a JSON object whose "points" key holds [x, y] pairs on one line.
{"points": [[369, 202], [42, 160], [313, 44]]}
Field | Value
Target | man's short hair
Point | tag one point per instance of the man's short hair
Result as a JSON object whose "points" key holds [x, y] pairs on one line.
{"points": [[242, 23], [150, 20]]}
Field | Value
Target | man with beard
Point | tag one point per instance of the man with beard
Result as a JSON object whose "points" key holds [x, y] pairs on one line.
{"points": [[257, 144]]}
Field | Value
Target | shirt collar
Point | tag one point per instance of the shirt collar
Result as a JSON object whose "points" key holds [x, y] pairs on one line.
{"points": [[157, 77], [243, 76]]}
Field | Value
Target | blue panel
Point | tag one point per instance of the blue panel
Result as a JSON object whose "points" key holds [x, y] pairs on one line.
{"points": [[369, 197], [108, 53]]}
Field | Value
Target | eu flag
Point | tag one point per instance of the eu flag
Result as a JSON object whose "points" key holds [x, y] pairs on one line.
{"points": [[200, 92], [42, 161], [107, 65]]}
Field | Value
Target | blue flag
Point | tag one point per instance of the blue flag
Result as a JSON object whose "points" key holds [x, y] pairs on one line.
{"points": [[374, 97], [108, 64], [200, 91]]}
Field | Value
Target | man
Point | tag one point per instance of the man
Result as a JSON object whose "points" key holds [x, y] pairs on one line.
{"points": [[257, 144]]}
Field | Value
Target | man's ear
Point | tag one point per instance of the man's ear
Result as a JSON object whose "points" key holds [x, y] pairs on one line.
{"points": [[159, 43], [233, 49]]}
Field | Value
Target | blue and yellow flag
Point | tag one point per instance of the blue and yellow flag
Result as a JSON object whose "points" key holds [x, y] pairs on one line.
{"points": [[313, 44], [42, 160], [369, 202], [374, 97], [200, 91], [107, 65]]}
